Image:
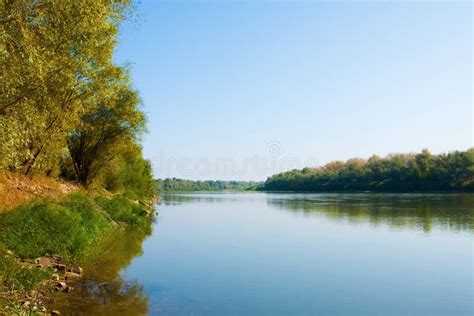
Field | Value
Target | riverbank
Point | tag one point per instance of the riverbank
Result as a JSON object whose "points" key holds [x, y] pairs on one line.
{"points": [[17, 189], [48, 235]]}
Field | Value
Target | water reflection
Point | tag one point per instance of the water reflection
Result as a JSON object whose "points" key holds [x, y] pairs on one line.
{"points": [[103, 291], [273, 254], [417, 211], [310, 254], [170, 199]]}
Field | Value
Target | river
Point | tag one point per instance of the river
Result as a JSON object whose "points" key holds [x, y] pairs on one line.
{"points": [[290, 254]]}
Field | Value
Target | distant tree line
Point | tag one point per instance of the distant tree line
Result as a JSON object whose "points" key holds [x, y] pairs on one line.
{"points": [[66, 109], [395, 173], [181, 185]]}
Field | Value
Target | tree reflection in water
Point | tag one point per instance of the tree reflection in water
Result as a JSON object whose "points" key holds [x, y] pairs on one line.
{"points": [[416, 211], [103, 291]]}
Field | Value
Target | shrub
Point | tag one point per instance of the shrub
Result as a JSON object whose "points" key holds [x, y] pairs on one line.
{"points": [[121, 209]]}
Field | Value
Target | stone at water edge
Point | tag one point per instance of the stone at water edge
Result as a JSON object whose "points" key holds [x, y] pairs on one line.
{"points": [[61, 286], [44, 261], [77, 270], [61, 267], [72, 276]]}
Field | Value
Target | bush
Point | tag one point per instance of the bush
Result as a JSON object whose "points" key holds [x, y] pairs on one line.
{"points": [[132, 176], [120, 209]]}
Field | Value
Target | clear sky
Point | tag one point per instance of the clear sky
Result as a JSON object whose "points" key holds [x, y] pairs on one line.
{"points": [[242, 90]]}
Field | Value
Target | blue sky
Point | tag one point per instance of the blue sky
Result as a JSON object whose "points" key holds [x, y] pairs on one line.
{"points": [[241, 90]]}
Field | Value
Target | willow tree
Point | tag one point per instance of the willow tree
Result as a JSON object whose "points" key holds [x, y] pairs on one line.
{"points": [[54, 57], [108, 130]]}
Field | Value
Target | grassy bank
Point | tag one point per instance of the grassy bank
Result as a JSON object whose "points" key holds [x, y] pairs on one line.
{"points": [[73, 228]]}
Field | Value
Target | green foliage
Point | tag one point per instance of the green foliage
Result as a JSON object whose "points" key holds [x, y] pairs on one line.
{"points": [[401, 172], [131, 175], [180, 185], [54, 57], [75, 229], [65, 107], [16, 276], [120, 209], [105, 132], [69, 229]]}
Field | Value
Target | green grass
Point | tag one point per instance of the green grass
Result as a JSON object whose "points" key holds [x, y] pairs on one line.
{"points": [[68, 229], [120, 209], [75, 228], [15, 276], [72, 228]]}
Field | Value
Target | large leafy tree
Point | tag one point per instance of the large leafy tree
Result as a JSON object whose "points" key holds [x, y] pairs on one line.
{"points": [[54, 56], [107, 131]]}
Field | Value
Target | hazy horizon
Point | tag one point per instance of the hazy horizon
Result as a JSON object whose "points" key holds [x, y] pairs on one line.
{"points": [[244, 90]]}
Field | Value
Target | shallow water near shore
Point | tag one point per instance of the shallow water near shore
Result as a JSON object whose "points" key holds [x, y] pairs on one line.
{"points": [[289, 254]]}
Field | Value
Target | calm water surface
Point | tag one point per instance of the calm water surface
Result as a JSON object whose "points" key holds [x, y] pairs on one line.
{"points": [[297, 254]]}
